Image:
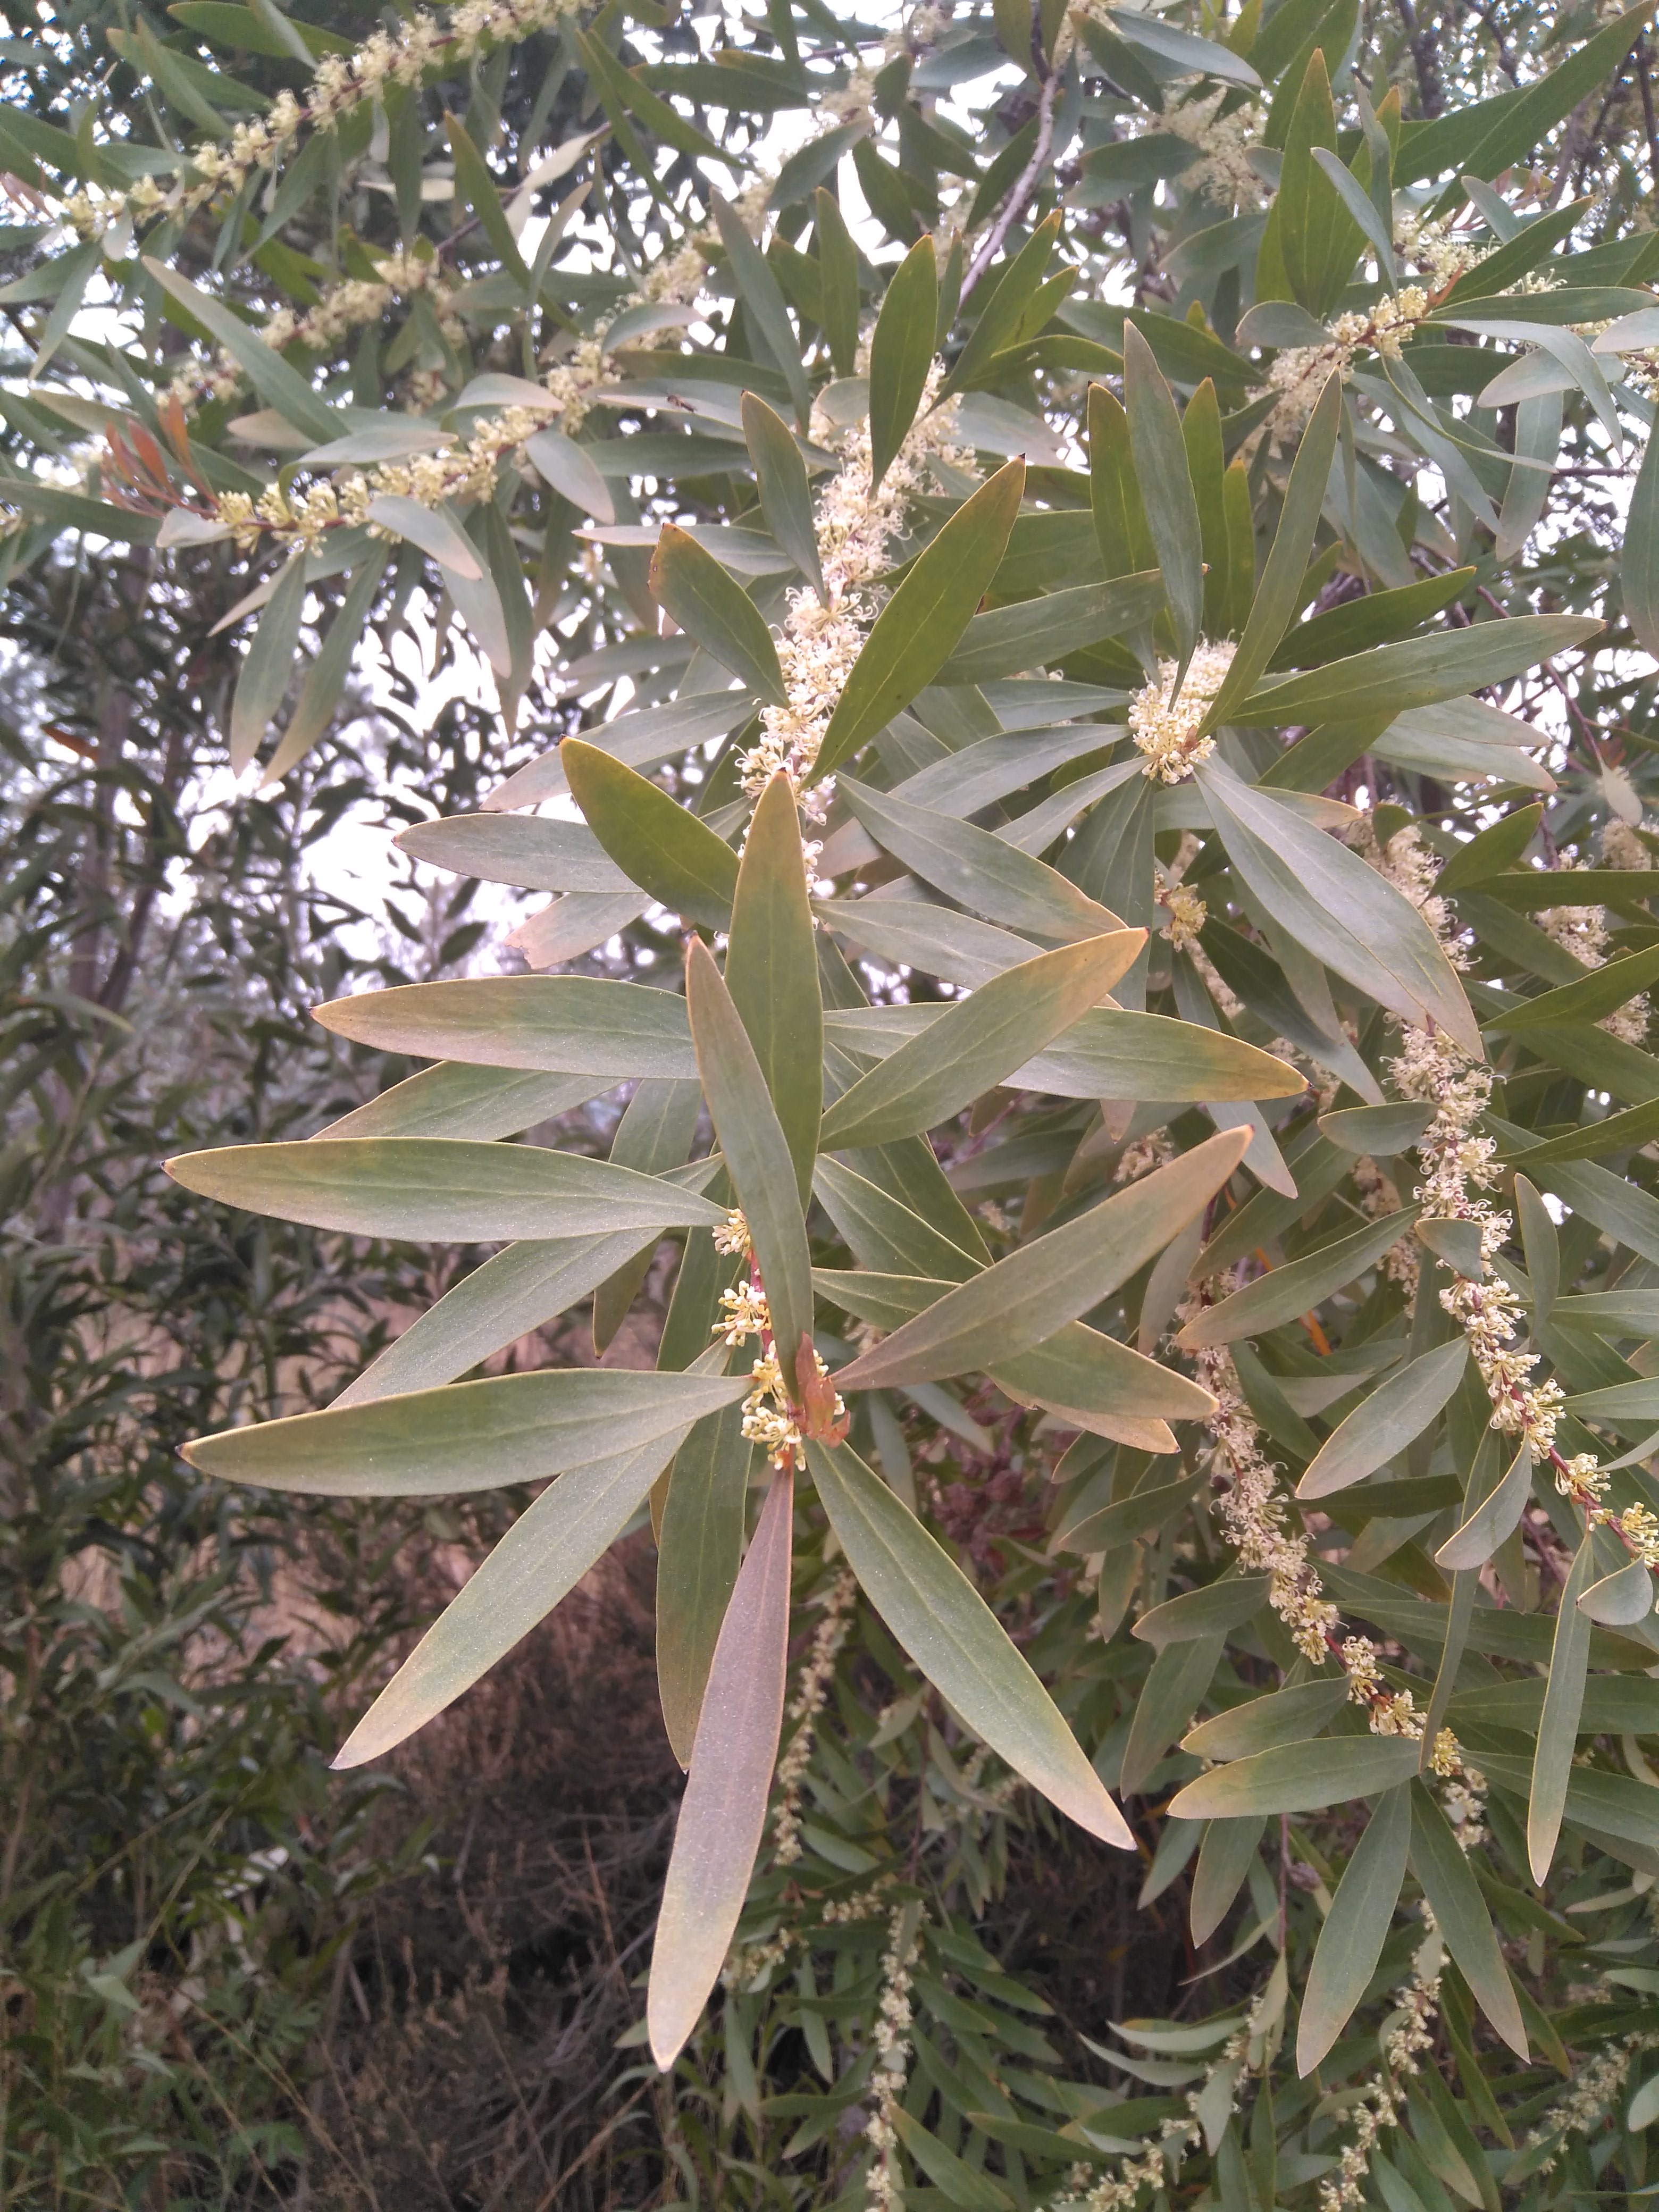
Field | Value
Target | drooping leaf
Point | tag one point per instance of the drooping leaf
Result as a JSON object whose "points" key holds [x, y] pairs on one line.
{"points": [[699, 1549], [655, 843], [1494, 1520], [1460, 1914], [722, 1815], [951, 1634], [1357, 1926], [1558, 1728], [1166, 488], [268, 667], [785, 490]]}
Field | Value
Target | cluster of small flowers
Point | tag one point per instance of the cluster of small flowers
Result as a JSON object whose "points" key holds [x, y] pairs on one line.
{"points": [[1298, 373], [731, 1237], [891, 2037], [1187, 916], [1596, 2089], [1253, 1509], [1441, 251], [820, 643], [1582, 932], [1224, 173], [1464, 1796], [1166, 727], [1139, 1158], [341, 83], [1393, 1712], [746, 1968], [344, 308], [770, 1415], [296, 518], [1384, 2098], [811, 1690]]}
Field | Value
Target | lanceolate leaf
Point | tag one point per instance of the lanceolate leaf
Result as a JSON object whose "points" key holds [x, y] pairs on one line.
{"points": [[561, 1024], [756, 1151], [1166, 488], [1460, 1914], [268, 668], [1494, 1520], [1351, 1942], [975, 1044], [786, 493], [699, 1545], [654, 842], [1284, 1292], [722, 1815], [915, 632], [708, 601], [439, 1187], [901, 354], [949, 1632], [470, 1436], [1558, 1730], [454, 1100], [1344, 913], [1417, 671], [1038, 1289], [1639, 575], [772, 971], [1399, 1409], [1297, 1777], [539, 1561]]}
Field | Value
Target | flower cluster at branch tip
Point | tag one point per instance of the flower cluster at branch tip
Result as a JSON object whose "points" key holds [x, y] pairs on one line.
{"points": [[891, 2038], [819, 643], [812, 1691], [1166, 723]]}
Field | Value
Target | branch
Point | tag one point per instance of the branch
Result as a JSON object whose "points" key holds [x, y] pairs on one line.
{"points": [[1425, 59], [1020, 197]]}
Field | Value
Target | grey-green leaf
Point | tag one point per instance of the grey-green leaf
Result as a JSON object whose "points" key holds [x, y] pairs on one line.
{"points": [[941, 1620], [1297, 1777], [1356, 1928], [1399, 1409], [268, 665], [560, 1024], [1296, 1288], [1460, 1911], [1558, 1730]]}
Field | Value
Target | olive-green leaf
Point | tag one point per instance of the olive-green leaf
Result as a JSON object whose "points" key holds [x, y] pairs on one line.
{"points": [[978, 1041], [1356, 1928], [1620, 1599], [325, 680], [561, 1024], [1284, 1292], [917, 631], [1224, 1862], [1280, 594], [1387, 1129], [699, 1549], [951, 1634], [1209, 1610], [1115, 1053], [1263, 1724], [1493, 1521], [722, 1815], [965, 2188], [708, 602], [1297, 1777], [786, 493], [1176, 1679], [1639, 572], [901, 354], [756, 1149], [538, 1562], [1558, 1729], [277, 382], [1460, 1911], [1035, 633], [1542, 1247], [979, 870], [1142, 1513], [570, 470], [1341, 911], [759, 290], [1416, 672], [884, 1234], [435, 530], [1050, 1281], [1166, 488], [467, 1436], [536, 853], [513, 1293], [655, 843], [1399, 1409], [448, 1188], [268, 665], [1600, 993], [453, 1100], [772, 971]]}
